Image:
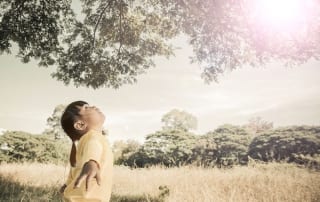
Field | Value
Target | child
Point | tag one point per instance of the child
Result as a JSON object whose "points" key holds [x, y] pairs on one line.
{"points": [[90, 177]]}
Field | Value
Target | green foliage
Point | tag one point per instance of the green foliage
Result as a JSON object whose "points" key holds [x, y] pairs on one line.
{"points": [[226, 146], [19, 146], [172, 146], [139, 159], [291, 144], [166, 147], [114, 43], [117, 40], [124, 150], [309, 161], [179, 120], [35, 26], [204, 152], [169, 147], [231, 145]]}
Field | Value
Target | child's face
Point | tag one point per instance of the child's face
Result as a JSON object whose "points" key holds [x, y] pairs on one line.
{"points": [[92, 116]]}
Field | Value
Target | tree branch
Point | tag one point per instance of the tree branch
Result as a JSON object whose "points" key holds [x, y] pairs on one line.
{"points": [[98, 22], [120, 29]]}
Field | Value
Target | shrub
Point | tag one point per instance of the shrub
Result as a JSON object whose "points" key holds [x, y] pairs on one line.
{"points": [[290, 144], [17, 146]]}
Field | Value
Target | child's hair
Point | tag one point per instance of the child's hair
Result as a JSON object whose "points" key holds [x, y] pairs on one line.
{"points": [[69, 117]]}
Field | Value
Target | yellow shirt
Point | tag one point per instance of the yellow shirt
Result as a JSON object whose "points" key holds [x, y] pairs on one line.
{"points": [[91, 146]]}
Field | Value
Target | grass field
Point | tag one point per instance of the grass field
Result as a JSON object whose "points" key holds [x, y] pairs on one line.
{"points": [[258, 182]]}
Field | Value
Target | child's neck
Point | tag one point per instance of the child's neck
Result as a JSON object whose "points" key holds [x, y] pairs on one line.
{"points": [[97, 129]]}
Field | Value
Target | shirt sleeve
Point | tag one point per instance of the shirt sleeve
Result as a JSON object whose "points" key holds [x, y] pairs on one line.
{"points": [[92, 151]]}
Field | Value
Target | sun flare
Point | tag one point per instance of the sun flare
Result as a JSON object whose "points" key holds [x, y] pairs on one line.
{"points": [[281, 14], [280, 10]]}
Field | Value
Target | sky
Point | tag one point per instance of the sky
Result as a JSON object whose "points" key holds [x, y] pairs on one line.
{"points": [[279, 94]]}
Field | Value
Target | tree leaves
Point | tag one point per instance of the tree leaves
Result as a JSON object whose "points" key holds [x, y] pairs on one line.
{"points": [[169, 147], [54, 125], [25, 147], [118, 40], [35, 26], [284, 144], [179, 120]]}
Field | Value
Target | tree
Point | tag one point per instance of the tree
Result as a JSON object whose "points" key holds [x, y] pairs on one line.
{"points": [[168, 147], [53, 123], [124, 150], [117, 40], [113, 44], [24, 147], [179, 120], [35, 26], [230, 34], [231, 145], [286, 144], [171, 146], [257, 125], [204, 151]]}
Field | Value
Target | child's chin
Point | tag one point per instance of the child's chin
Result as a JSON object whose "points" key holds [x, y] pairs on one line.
{"points": [[103, 118]]}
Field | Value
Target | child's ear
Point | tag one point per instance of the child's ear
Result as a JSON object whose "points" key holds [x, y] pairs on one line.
{"points": [[80, 125]]}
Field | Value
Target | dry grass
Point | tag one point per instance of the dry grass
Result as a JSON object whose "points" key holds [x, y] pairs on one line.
{"points": [[271, 182], [35, 174]]}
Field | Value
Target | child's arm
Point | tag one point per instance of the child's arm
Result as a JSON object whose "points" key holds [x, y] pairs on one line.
{"points": [[89, 170], [92, 154]]}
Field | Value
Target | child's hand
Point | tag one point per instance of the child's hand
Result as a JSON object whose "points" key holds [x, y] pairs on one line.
{"points": [[89, 170]]}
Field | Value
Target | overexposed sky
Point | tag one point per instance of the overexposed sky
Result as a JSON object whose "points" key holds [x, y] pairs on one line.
{"points": [[283, 95]]}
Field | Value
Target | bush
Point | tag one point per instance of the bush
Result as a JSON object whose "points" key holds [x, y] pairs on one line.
{"points": [[290, 144], [17, 146], [231, 145], [167, 147]]}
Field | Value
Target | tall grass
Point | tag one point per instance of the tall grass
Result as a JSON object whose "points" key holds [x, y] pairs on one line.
{"points": [[259, 182]]}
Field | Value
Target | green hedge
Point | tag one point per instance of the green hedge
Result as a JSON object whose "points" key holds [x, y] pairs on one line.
{"points": [[18, 146]]}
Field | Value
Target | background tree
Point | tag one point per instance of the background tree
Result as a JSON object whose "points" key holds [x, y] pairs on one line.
{"points": [[53, 122], [117, 40], [123, 150], [257, 125], [286, 144], [179, 120], [25, 147], [204, 151], [231, 144], [168, 147]]}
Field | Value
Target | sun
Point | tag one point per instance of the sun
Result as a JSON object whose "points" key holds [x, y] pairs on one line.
{"points": [[280, 10], [279, 14]]}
